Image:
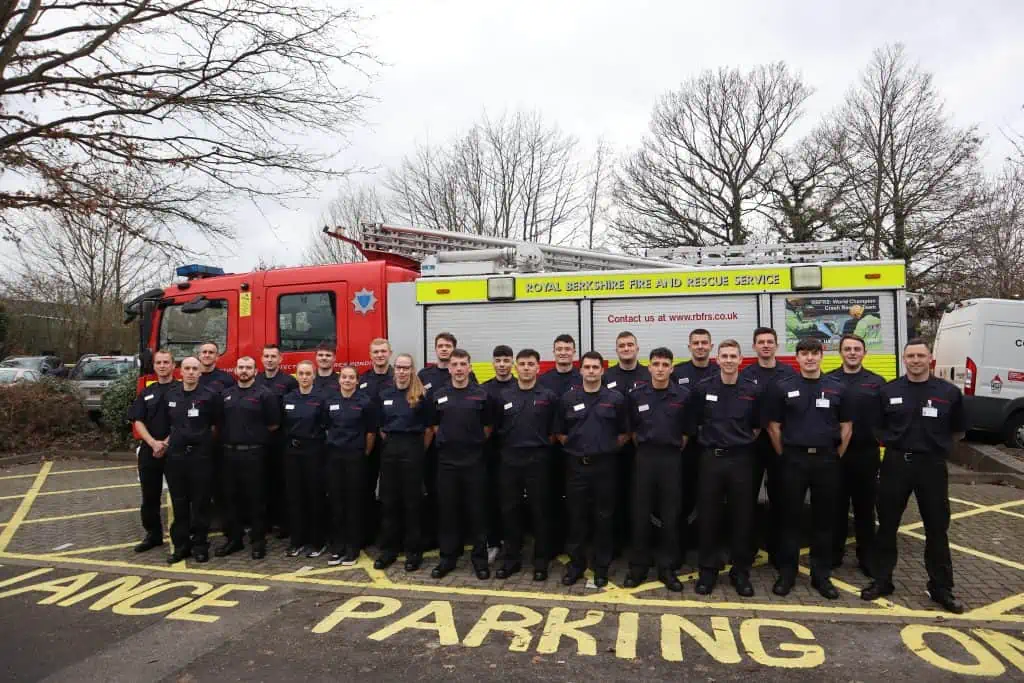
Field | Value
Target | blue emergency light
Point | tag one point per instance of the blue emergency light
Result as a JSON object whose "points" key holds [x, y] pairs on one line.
{"points": [[195, 270]]}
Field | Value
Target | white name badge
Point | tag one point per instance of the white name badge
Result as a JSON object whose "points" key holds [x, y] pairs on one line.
{"points": [[363, 385], [929, 411], [612, 385], [508, 406], [426, 387], [822, 403], [289, 406], [172, 404], [578, 407], [335, 406], [711, 397], [443, 399], [148, 397], [643, 409], [193, 412], [388, 402], [793, 394], [227, 398], [896, 401], [684, 380]]}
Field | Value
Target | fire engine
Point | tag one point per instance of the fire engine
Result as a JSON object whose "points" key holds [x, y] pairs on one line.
{"points": [[488, 291]]}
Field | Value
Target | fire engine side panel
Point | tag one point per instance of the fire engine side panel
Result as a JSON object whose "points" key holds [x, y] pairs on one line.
{"points": [[479, 327], [667, 321], [405, 320]]}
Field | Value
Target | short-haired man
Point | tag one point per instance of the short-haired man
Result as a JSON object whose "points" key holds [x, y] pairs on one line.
{"points": [[688, 374], [251, 414], [524, 419], [326, 379], [437, 375], [501, 361], [658, 413], [212, 377], [592, 424], [192, 413], [564, 375], [765, 372], [379, 377], [151, 425], [810, 422], [727, 416], [628, 372], [922, 419], [462, 424], [859, 466], [278, 383]]}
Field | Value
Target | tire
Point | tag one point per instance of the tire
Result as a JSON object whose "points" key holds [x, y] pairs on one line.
{"points": [[1013, 433]]}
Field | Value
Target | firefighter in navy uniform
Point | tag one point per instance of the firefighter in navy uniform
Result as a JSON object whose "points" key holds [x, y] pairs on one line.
{"points": [[524, 422], [765, 372], [192, 413], [435, 376], [351, 432], [326, 380], [592, 423], [658, 416], [251, 414], [212, 377], [564, 376], [859, 466], [150, 423], [727, 416], [405, 419], [462, 424], [303, 432], [559, 379], [688, 374], [501, 361], [922, 419], [809, 421], [372, 382], [279, 383]]}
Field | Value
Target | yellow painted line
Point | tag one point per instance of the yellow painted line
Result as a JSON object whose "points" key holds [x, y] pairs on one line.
{"points": [[853, 590], [999, 507], [78, 471], [82, 515], [975, 553], [23, 508], [91, 488], [14, 497], [991, 508], [1000, 607], [117, 546]]}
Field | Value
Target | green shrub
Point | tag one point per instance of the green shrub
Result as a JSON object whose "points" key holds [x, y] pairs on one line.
{"points": [[114, 409], [45, 414]]}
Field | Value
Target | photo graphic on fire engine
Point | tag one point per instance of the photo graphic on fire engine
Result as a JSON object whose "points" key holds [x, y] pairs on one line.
{"points": [[829, 318]]}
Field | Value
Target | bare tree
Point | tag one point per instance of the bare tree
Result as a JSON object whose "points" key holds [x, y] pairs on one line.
{"points": [[353, 205], [701, 172], [912, 175], [210, 99], [598, 191]]}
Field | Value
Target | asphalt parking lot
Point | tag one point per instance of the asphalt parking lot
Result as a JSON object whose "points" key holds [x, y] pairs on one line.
{"points": [[83, 606]]}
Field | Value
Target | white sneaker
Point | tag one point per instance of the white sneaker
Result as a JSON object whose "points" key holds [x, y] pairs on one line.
{"points": [[316, 552]]}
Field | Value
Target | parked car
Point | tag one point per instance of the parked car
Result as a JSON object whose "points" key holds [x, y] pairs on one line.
{"points": [[94, 374], [14, 375], [44, 365]]}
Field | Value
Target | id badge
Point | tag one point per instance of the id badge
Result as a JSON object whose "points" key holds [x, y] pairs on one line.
{"points": [[193, 412], [578, 407], [822, 403], [929, 410]]}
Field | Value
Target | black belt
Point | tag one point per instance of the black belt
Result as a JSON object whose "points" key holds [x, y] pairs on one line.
{"points": [[732, 450], [810, 450], [243, 446]]}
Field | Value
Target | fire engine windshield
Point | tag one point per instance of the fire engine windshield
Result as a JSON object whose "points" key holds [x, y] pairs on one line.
{"points": [[181, 331]]}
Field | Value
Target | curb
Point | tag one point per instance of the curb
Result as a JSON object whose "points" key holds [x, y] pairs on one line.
{"points": [[988, 464]]}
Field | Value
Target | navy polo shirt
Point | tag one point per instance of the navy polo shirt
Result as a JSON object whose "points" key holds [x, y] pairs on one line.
{"points": [[592, 421], [191, 415], [326, 383], [921, 416], [862, 388], [525, 418], [764, 377], [216, 380], [624, 381], [147, 408], [397, 416], [434, 377], [726, 415], [461, 416], [304, 415], [248, 413], [349, 420], [689, 374], [809, 410], [659, 417], [280, 384], [372, 382], [561, 382]]}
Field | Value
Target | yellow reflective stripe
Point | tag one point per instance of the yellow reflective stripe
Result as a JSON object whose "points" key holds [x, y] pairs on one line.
{"points": [[439, 290], [885, 364], [889, 276]]}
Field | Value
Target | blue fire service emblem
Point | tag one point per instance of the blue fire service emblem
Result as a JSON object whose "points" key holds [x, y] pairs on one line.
{"points": [[364, 301]]}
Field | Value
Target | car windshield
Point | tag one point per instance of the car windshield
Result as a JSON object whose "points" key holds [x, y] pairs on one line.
{"points": [[8, 375], [30, 363], [104, 368]]}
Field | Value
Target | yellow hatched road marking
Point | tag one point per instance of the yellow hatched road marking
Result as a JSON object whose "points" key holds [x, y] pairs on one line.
{"points": [[972, 551], [64, 491], [1000, 607], [82, 515], [23, 508], [980, 510], [76, 471]]}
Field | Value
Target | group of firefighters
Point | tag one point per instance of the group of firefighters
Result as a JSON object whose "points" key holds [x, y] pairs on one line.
{"points": [[592, 451]]}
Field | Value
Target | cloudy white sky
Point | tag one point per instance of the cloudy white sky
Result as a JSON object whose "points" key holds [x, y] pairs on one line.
{"points": [[596, 67]]}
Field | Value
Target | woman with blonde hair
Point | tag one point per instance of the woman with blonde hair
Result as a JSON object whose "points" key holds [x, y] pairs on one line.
{"points": [[404, 418]]}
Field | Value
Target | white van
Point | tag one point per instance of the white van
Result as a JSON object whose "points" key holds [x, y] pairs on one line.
{"points": [[980, 348]]}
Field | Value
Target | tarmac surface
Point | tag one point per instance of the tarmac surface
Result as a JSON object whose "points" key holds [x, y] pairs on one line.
{"points": [[77, 604]]}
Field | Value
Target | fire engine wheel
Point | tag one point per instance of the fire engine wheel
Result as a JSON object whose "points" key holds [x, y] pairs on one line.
{"points": [[1014, 433]]}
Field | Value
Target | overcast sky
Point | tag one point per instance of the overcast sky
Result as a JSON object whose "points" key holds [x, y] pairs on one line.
{"points": [[596, 67]]}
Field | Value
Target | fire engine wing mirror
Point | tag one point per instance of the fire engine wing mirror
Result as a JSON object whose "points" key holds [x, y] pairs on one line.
{"points": [[200, 303]]}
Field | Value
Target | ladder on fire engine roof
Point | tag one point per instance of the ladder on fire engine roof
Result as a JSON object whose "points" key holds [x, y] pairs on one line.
{"points": [[445, 253]]}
